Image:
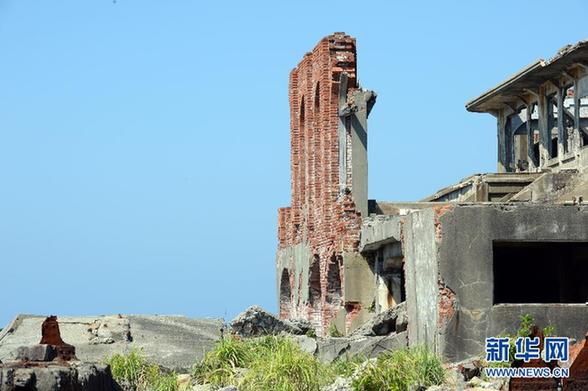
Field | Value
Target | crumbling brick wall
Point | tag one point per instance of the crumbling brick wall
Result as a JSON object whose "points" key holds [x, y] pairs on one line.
{"points": [[321, 215]]}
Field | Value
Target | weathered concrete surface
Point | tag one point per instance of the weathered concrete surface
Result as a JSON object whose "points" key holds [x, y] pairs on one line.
{"points": [[379, 230], [551, 186], [372, 347], [465, 266], [359, 290], [421, 272], [307, 344], [294, 263], [331, 349], [175, 342], [39, 352], [75, 376], [569, 319]]}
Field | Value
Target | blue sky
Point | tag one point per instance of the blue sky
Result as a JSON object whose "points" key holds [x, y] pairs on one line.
{"points": [[144, 145]]}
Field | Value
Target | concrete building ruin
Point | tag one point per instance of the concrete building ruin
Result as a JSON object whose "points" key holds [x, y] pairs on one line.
{"points": [[469, 259]]}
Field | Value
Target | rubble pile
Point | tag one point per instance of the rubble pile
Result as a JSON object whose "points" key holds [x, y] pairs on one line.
{"points": [[392, 320], [255, 322]]}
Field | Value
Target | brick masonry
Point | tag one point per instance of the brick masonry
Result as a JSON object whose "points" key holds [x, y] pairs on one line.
{"points": [[321, 216]]}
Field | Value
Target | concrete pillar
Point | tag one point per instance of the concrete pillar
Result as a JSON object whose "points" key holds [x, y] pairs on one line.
{"points": [[359, 161], [561, 138], [530, 141], [544, 134], [500, 131], [353, 117], [575, 147]]}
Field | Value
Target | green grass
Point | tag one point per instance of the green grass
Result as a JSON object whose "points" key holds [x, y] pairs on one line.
{"points": [[334, 331], [272, 363], [278, 364], [400, 370], [346, 366], [134, 370]]}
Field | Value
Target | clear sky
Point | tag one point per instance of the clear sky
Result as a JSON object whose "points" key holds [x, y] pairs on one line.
{"points": [[144, 145]]}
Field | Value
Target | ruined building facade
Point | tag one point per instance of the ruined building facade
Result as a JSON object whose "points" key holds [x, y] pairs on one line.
{"points": [[469, 259], [328, 119]]}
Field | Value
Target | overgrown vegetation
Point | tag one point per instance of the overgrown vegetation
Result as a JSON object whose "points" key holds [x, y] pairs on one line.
{"points": [[334, 331], [136, 373], [346, 366], [401, 370], [268, 363], [277, 363]]}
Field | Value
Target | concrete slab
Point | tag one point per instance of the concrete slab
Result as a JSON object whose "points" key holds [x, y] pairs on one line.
{"points": [[175, 342]]}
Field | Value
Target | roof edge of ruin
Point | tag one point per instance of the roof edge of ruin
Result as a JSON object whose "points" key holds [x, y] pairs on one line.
{"points": [[473, 105]]}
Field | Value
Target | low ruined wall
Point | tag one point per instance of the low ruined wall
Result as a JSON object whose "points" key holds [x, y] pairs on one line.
{"points": [[465, 236]]}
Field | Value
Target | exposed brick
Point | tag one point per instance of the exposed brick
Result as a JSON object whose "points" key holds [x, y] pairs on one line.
{"points": [[447, 304], [327, 222]]}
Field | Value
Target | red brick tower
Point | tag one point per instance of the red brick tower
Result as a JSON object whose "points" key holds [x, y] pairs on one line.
{"points": [[328, 127]]}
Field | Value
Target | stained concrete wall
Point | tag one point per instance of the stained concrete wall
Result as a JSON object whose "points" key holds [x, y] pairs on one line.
{"points": [[360, 288], [421, 273], [358, 291], [379, 230], [296, 260], [465, 260]]}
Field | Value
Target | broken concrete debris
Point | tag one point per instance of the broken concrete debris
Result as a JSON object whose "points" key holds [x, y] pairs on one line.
{"points": [[303, 324], [384, 323], [255, 322], [52, 365]]}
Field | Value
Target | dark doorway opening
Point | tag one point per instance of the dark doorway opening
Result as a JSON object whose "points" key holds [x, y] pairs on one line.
{"points": [[540, 272]]}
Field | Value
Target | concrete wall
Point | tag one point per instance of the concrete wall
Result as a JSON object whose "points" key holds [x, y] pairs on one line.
{"points": [[295, 260], [359, 291], [465, 259], [421, 273]]}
